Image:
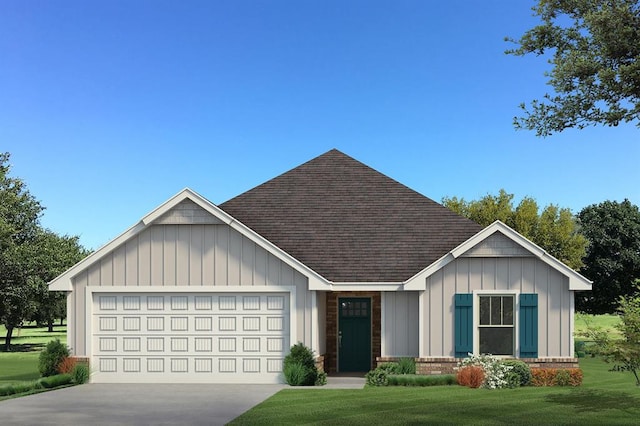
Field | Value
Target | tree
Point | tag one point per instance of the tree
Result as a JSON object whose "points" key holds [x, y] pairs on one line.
{"points": [[595, 67], [613, 255], [554, 229], [51, 255], [19, 222], [623, 353]]}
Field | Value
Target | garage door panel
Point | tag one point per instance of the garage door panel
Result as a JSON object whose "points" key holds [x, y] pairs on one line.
{"points": [[198, 338]]}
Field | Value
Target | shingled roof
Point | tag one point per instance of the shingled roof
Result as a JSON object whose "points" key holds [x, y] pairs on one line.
{"points": [[349, 222]]}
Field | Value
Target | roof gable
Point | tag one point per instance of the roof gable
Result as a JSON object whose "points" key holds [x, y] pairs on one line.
{"points": [[499, 238], [349, 222], [186, 207]]}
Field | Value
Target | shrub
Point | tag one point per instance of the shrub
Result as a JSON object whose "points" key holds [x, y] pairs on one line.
{"points": [[579, 347], [296, 374], [321, 379], [67, 365], [51, 356], [556, 377], [495, 372], [543, 376], [378, 377], [55, 381], [421, 380], [303, 356], [471, 376], [520, 372], [80, 373], [575, 377], [406, 366]]}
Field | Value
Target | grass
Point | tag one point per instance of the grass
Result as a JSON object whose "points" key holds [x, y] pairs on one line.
{"points": [[605, 398], [607, 322], [21, 364]]}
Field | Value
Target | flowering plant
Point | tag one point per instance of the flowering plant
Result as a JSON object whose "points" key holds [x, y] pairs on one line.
{"points": [[495, 372]]}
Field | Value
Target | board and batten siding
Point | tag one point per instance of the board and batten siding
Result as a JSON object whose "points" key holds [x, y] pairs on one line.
{"points": [[400, 320], [522, 274], [173, 255]]}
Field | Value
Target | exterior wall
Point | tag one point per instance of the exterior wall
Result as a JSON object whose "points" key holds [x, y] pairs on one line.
{"points": [[188, 255], [331, 356], [526, 275], [400, 319]]}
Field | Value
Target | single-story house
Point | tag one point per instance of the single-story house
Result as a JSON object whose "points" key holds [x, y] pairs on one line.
{"points": [[332, 253]]}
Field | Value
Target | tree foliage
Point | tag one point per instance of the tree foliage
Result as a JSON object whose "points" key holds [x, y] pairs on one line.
{"points": [[613, 255], [595, 64], [623, 353], [554, 228], [29, 256]]}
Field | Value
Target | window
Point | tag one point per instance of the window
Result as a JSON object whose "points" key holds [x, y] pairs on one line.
{"points": [[495, 326]]}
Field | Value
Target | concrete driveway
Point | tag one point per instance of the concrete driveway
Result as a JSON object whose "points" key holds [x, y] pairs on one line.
{"points": [[135, 404]]}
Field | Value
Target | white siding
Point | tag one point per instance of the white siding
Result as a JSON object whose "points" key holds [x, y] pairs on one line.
{"points": [[525, 275], [400, 324]]}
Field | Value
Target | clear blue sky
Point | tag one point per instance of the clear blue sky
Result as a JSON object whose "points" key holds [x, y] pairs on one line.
{"points": [[111, 107]]}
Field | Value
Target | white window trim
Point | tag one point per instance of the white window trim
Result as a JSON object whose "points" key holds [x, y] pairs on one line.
{"points": [[516, 319]]}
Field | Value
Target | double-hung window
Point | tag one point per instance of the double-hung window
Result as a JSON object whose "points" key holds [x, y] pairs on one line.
{"points": [[496, 332]]}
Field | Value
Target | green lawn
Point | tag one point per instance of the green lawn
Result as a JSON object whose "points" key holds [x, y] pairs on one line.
{"points": [[21, 364], [605, 398], [607, 322]]}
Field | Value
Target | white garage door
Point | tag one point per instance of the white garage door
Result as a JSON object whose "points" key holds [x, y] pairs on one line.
{"points": [[189, 337]]}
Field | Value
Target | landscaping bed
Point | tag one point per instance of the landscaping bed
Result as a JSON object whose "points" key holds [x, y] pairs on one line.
{"points": [[604, 398]]}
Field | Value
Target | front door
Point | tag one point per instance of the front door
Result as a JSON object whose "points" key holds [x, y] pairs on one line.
{"points": [[354, 334]]}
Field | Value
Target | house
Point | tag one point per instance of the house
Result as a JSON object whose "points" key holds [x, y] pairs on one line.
{"points": [[334, 254]]}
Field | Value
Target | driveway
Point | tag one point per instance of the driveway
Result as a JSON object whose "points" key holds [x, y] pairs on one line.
{"points": [[135, 404]]}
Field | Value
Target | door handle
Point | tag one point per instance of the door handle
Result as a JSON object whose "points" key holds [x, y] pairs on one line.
{"points": [[340, 339]]}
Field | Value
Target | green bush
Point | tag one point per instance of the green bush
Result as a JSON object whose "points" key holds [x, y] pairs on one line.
{"points": [[299, 366], [378, 377], [520, 373], [321, 379], [563, 378], [80, 373], [51, 357], [55, 381], [296, 374], [421, 380], [579, 347], [406, 366]]}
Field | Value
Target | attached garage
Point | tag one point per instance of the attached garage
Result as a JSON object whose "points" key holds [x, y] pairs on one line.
{"points": [[189, 337]]}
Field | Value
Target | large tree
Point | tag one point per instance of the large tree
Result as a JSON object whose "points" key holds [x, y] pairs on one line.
{"points": [[554, 228], [594, 48], [19, 224], [613, 255], [51, 255]]}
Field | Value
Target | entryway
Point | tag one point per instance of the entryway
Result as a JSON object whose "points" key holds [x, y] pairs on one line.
{"points": [[354, 334]]}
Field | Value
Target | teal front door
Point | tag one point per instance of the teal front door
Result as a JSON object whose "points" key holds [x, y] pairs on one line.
{"points": [[354, 334]]}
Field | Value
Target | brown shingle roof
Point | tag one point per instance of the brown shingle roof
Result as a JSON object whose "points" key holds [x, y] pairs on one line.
{"points": [[349, 222]]}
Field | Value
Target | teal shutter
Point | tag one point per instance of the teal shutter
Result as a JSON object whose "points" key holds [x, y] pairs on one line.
{"points": [[463, 325], [528, 326]]}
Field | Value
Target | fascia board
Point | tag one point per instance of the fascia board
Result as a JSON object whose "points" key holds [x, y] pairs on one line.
{"points": [[419, 280], [365, 286], [180, 197], [576, 280], [63, 282]]}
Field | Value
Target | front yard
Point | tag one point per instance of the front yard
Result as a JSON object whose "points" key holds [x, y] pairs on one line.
{"points": [[604, 398]]}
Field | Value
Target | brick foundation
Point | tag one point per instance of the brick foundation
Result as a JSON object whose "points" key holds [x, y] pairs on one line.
{"points": [[320, 362], [331, 356], [433, 366]]}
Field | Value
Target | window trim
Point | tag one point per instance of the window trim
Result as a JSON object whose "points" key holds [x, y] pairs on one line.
{"points": [[516, 319]]}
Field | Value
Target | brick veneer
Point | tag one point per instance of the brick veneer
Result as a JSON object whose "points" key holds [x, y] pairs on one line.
{"points": [[331, 356], [447, 365]]}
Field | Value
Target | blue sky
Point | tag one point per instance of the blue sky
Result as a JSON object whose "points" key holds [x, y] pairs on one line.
{"points": [[111, 107]]}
